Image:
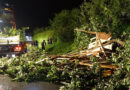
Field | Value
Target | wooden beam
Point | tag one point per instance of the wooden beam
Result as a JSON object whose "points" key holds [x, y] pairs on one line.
{"points": [[101, 65], [101, 44]]}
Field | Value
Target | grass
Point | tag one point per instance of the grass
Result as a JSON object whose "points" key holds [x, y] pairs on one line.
{"points": [[42, 36], [57, 47]]}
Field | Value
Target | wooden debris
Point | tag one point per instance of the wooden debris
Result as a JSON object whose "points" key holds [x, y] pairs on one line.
{"points": [[84, 61], [102, 45], [101, 66], [107, 73]]}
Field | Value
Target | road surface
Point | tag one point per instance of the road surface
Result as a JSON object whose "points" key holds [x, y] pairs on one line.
{"points": [[7, 84]]}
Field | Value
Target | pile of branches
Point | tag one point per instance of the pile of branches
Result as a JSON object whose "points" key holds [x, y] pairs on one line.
{"points": [[35, 66]]}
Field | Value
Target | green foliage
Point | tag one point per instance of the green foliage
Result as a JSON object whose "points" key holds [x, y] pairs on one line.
{"points": [[105, 15], [64, 24], [9, 31], [81, 40], [29, 67], [120, 78], [22, 33], [54, 75], [57, 46], [97, 15], [41, 34], [39, 30], [12, 32], [24, 67]]}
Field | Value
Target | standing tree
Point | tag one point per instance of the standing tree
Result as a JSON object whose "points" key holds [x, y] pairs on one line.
{"points": [[105, 15], [64, 24]]}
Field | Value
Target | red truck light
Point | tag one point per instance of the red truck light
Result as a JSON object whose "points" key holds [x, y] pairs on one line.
{"points": [[18, 48]]}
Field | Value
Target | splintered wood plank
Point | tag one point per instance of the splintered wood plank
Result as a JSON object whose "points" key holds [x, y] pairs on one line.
{"points": [[106, 73], [101, 66], [85, 61], [101, 35]]}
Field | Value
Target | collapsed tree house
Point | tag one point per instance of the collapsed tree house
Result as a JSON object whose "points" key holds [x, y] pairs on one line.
{"points": [[101, 45]]}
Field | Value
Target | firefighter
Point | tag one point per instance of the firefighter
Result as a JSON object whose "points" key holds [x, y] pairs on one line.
{"points": [[43, 44], [36, 43], [49, 40]]}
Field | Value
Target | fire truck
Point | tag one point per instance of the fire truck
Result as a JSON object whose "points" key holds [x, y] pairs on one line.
{"points": [[10, 46]]}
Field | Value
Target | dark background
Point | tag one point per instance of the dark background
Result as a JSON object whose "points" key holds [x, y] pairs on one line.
{"points": [[37, 13]]}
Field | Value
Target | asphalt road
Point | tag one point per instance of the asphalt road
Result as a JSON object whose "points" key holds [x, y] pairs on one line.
{"points": [[7, 84]]}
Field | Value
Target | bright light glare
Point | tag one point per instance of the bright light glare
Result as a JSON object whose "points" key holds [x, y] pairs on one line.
{"points": [[13, 55], [1, 21]]}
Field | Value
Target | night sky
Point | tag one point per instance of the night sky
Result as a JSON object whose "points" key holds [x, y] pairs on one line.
{"points": [[36, 13]]}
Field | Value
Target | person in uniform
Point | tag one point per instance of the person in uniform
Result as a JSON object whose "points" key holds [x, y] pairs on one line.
{"points": [[43, 44]]}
